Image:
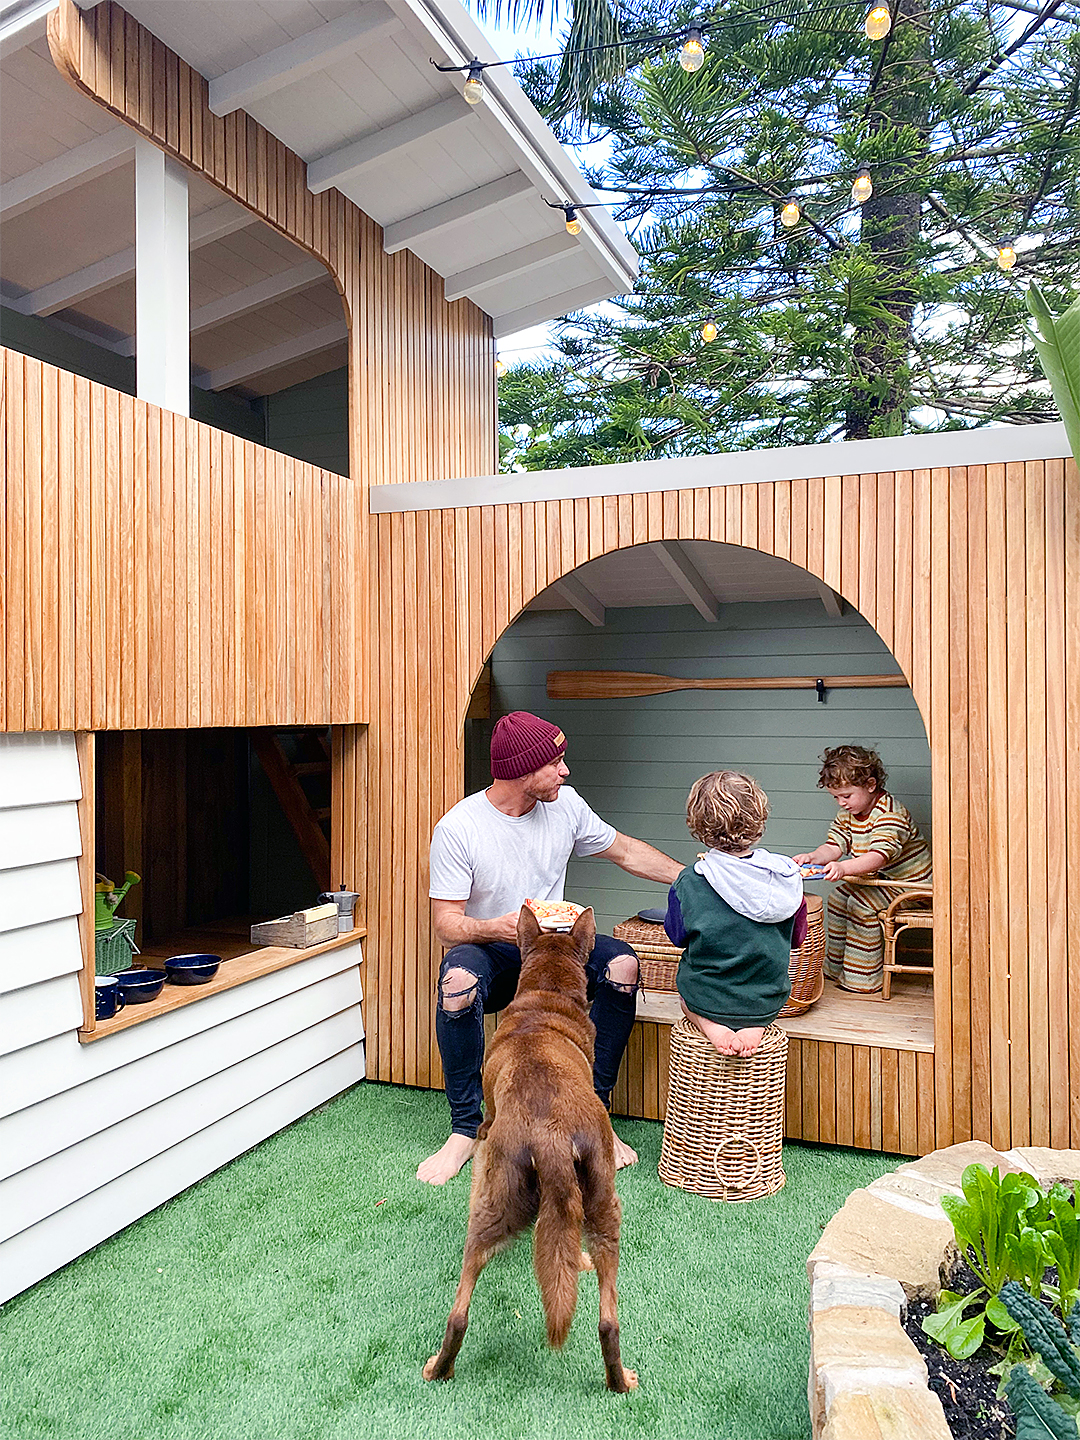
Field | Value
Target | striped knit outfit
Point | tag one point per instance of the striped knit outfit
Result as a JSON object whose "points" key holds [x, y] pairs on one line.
{"points": [[856, 944]]}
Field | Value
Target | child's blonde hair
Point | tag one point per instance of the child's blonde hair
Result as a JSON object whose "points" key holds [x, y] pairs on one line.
{"points": [[851, 765], [727, 811]]}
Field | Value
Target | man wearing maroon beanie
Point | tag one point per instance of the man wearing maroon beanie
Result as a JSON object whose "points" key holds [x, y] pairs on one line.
{"points": [[489, 853]]}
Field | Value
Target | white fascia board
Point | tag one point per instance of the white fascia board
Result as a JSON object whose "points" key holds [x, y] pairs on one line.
{"points": [[23, 23], [343, 165], [240, 88], [506, 267], [66, 172], [991, 445], [470, 206], [450, 29], [251, 366]]}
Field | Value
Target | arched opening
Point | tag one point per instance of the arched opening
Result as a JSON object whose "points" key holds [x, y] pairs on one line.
{"points": [[700, 609]]}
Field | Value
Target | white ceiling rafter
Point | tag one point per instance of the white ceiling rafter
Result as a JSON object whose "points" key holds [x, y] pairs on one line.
{"points": [[252, 297], [348, 161], [238, 372], [688, 578], [514, 320], [21, 25], [506, 267], [75, 167], [266, 74], [583, 600], [473, 205], [69, 290], [834, 606]]}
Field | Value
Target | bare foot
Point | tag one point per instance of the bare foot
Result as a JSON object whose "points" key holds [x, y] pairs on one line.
{"points": [[447, 1161], [623, 1154], [748, 1040]]}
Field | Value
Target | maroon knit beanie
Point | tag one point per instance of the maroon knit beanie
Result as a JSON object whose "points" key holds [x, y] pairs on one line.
{"points": [[522, 743]]}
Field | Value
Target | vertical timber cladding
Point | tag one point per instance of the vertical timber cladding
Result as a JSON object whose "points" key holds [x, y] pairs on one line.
{"points": [[421, 372], [971, 575], [422, 402], [157, 573]]}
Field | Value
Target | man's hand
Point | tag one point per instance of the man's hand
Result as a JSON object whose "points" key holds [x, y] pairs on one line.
{"points": [[454, 927], [637, 858]]}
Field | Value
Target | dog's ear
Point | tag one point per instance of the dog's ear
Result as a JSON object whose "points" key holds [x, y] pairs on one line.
{"points": [[528, 927], [584, 931]]}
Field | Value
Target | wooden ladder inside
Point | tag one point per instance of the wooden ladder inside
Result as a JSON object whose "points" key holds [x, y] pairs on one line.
{"points": [[297, 764]]}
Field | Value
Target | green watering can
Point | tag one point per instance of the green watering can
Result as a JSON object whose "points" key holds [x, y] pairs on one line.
{"points": [[107, 898]]}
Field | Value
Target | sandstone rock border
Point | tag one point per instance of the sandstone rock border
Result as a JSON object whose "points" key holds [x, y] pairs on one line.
{"points": [[889, 1244]]}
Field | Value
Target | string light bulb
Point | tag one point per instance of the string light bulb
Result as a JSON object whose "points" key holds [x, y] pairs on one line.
{"points": [[573, 224], [692, 54], [790, 215], [709, 331], [878, 22], [500, 367], [473, 89], [863, 187], [1006, 256]]}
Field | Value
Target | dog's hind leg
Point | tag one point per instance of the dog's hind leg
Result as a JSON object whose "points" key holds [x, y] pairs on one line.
{"points": [[602, 1219], [441, 1366]]}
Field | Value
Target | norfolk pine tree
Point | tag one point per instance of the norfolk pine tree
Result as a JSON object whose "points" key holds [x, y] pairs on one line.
{"points": [[863, 320]]}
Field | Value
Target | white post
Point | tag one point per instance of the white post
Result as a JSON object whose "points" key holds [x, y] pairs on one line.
{"points": [[162, 350]]}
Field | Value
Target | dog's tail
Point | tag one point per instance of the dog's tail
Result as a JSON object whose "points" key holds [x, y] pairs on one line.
{"points": [[557, 1238]]}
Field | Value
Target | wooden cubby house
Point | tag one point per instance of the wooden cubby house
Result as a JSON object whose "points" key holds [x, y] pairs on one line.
{"points": [[263, 595]]}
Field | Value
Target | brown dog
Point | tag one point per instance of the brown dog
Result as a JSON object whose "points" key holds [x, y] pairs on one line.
{"points": [[548, 1149]]}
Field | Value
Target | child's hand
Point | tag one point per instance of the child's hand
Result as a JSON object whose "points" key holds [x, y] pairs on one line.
{"points": [[807, 859], [833, 871]]}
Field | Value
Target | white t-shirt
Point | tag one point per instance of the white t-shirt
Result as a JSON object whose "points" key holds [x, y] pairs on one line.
{"points": [[495, 861]]}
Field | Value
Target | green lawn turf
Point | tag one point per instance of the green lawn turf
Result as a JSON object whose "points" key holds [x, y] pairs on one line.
{"points": [[297, 1292]]}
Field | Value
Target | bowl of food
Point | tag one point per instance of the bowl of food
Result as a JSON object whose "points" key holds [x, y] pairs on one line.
{"points": [[809, 871], [555, 914], [139, 984], [191, 969]]}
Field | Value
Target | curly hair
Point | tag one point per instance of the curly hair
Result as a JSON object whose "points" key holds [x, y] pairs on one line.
{"points": [[727, 811], [851, 765]]}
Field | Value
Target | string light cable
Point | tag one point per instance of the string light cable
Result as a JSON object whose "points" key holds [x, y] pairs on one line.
{"points": [[877, 25]]}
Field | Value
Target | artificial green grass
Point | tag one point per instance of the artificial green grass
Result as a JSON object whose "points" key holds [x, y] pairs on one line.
{"points": [[297, 1293]]}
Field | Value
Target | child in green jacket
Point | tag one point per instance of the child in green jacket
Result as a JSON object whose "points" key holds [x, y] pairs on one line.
{"points": [[737, 911]]}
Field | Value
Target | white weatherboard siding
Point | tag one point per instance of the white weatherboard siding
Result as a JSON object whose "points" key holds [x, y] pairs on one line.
{"points": [[93, 1136]]}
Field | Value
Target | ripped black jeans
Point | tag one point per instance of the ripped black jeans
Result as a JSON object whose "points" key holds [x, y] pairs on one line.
{"points": [[496, 966]]}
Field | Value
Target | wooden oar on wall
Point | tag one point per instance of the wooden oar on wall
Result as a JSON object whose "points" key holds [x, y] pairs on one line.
{"points": [[627, 684]]}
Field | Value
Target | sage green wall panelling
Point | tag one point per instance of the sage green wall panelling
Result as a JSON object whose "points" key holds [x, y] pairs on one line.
{"points": [[310, 421], [31, 335], [635, 760]]}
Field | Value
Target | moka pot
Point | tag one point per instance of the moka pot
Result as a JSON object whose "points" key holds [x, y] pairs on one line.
{"points": [[345, 900]]}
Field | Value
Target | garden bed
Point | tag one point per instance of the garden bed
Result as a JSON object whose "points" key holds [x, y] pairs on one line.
{"points": [[887, 1251]]}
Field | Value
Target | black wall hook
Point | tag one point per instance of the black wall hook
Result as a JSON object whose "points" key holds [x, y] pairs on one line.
{"points": [[820, 687]]}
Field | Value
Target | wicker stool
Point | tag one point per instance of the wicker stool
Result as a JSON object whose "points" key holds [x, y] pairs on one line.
{"points": [[724, 1128], [805, 968]]}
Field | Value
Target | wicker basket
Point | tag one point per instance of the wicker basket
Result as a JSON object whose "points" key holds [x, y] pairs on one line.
{"points": [[113, 948], [659, 958], [723, 1132], [805, 966]]}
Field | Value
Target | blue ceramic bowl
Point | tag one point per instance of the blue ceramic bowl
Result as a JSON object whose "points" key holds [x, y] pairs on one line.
{"points": [[191, 969], [138, 985]]}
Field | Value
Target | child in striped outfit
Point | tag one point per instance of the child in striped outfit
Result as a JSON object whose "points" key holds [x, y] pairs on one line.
{"points": [[873, 835]]}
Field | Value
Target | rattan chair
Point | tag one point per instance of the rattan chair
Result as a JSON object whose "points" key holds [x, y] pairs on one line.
{"points": [[910, 908]]}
